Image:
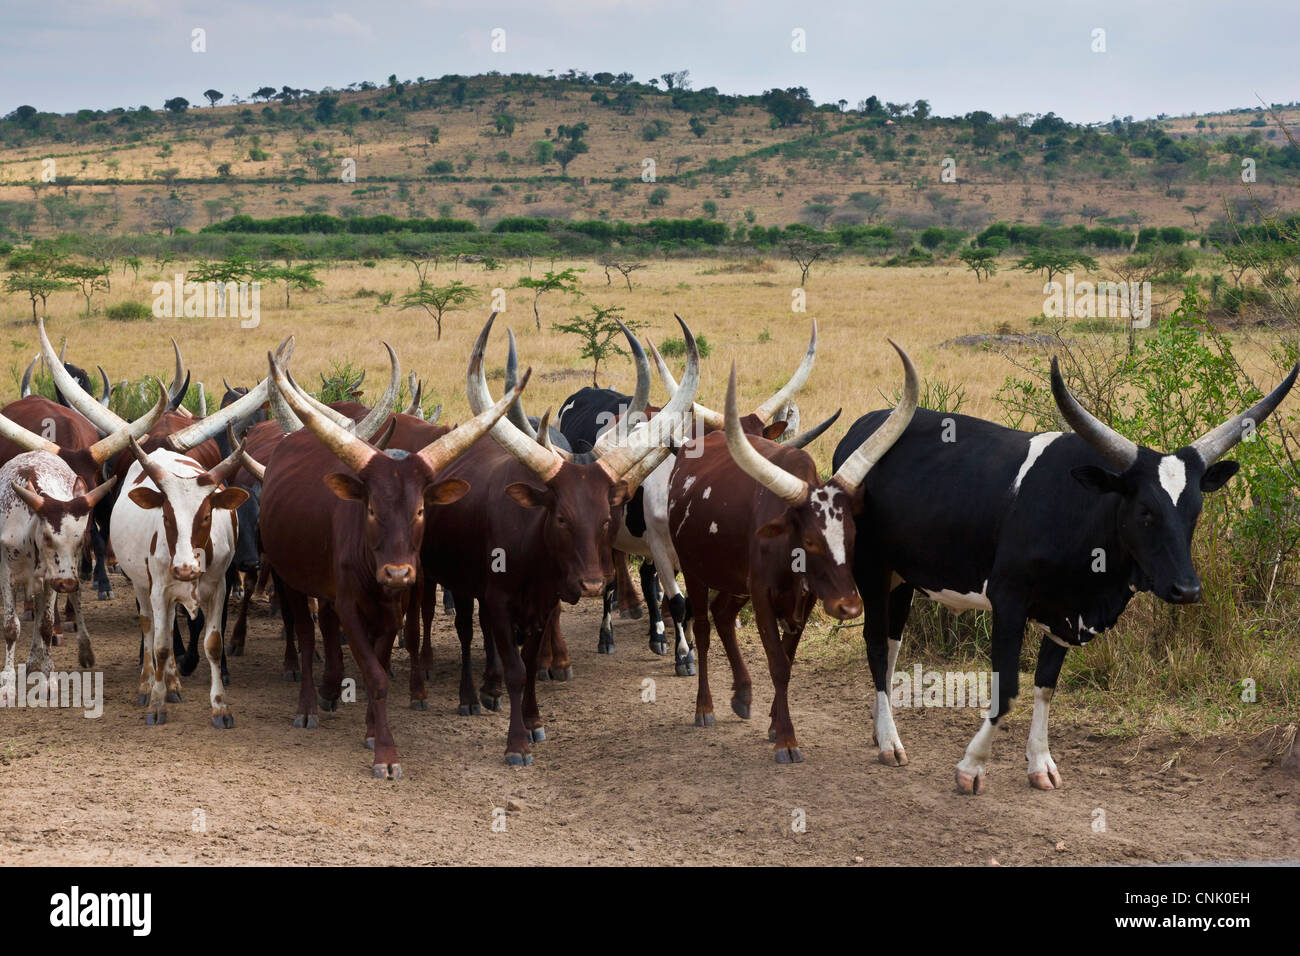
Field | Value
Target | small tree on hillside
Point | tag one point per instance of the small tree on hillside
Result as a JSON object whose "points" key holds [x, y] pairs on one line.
{"points": [[599, 333], [1052, 262], [212, 96], [805, 252], [437, 299], [86, 278], [35, 273], [566, 281]]}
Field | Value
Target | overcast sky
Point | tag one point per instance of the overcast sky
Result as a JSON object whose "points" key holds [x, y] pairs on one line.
{"points": [[1008, 57]]}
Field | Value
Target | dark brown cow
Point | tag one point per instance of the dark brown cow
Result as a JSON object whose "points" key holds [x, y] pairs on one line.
{"points": [[533, 530], [752, 520], [350, 537]]}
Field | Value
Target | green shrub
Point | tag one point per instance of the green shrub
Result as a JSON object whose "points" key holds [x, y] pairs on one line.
{"points": [[129, 312], [675, 348]]}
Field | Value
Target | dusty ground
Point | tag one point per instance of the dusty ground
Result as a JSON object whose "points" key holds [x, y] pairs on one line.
{"points": [[617, 781]]}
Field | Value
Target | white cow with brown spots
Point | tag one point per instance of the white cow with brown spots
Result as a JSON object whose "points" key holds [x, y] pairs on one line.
{"points": [[44, 513], [174, 532]]}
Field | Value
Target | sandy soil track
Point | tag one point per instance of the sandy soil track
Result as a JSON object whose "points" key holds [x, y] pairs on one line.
{"points": [[617, 781]]}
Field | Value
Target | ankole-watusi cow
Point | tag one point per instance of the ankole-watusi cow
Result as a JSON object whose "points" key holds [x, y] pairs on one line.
{"points": [[752, 520], [1056, 529], [534, 530], [174, 533], [343, 521], [45, 511]]}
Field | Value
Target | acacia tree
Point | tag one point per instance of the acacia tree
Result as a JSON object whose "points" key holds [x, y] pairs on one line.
{"points": [[981, 261], [599, 333], [437, 299], [626, 268], [566, 281], [35, 273], [805, 251], [87, 279], [1052, 262]]}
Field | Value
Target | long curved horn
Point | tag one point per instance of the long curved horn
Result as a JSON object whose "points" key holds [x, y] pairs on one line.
{"points": [[97, 494], [434, 415], [1215, 443], [789, 488], [641, 394], [108, 446], [706, 416], [649, 440], [381, 440], [25, 388], [108, 387], [345, 446], [253, 466], [24, 439], [178, 377], [788, 390], [516, 416], [203, 401], [95, 413], [387, 401], [212, 425], [223, 472], [333, 414], [442, 452], [544, 437], [280, 410], [155, 472], [63, 350], [544, 464], [806, 438], [1107, 442], [866, 455], [174, 404], [416, 406], [31, 497]]}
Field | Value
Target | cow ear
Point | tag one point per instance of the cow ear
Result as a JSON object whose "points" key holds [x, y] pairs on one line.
{"points": [[445, 492], [1217, 475], [618, 494], [345, 486], [526, 496], [78, 487], [1097, 479], [229, 498], [774, 528], [774, 431], [146, 498]]}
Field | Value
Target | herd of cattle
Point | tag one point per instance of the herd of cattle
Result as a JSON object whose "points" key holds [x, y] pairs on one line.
{"points": [[360, 513]]}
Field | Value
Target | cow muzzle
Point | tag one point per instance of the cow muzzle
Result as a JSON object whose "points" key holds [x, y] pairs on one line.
{"points": [[190, 572], [590, 587], [843, 609], [1184, 592], [396, 575]]}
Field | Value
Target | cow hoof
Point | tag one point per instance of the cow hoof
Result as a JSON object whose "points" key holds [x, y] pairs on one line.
{"points": [[489, 702], [291, 675], [370, 743], [686, 664], [141, 700], [86, 658], [605, 647], [896, 757], [305, 721], [631, 614], [427, 673], [470, 710], [56, 640], [223, 720], [391, 771], [519, 760], [155, 716], [543, 673], [174, 697], [789, 755], [236, 650], [419, 703], [704, 720], [326, 704], [1045, 779], [537, 734], [971, 783], [106, 595], [562, 675], [740, 708], [659, 646]]}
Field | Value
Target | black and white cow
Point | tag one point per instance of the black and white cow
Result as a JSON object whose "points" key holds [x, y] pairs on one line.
{"points": [[1056, 529]]}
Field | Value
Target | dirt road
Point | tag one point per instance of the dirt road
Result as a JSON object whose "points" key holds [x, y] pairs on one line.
{"points": [[618, 780]]}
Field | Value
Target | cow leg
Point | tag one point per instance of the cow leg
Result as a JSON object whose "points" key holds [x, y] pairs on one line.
{"points": [[885, 614], [1043, 774], [159, 652], [494, 618], [239, 633], [448, 602], [145, 618], [428, 607], [190, 660], [99, 546], [629, 602], [1008, 632], [469, 700], [678, 606], [56, 636], [42, 632], [331, 685], [542, 659], [605, 642], [411, 638], [222, 719], [535, 640], [294, 608], [700, 624], [725, 607], [364, 637], [289, 621], [779, 665], [12, 628], [492, 688], [561, 664], [650, 588]]}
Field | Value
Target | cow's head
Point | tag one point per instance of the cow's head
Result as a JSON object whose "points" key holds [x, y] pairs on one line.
{"points": [[582, 503], [1159, 495], [59, 529], [187, 503], [393, 487], [816, 525]]}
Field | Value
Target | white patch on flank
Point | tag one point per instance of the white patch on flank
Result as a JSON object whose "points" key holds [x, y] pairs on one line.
{"points": [[713, 527], [1037, 445], [831, 513], [705, 496], [956, 601], [1173, 476], [686, 485]]}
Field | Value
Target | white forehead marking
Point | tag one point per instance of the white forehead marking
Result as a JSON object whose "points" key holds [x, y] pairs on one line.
{"points": [[831, 514], [1173, 476], [1037, 445]]}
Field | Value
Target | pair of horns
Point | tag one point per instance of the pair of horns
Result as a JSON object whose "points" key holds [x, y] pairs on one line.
{"points": [[35, 500], [286, 413], [218, 475], [793, 489], [1123, 453], [25, 387]]}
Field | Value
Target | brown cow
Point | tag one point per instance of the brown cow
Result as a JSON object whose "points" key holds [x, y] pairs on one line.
{"points": [[751, 519], [351, 539]]}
